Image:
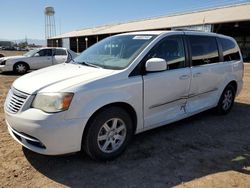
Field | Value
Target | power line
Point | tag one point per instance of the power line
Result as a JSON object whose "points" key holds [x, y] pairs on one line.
{"points": [[209, 4]]}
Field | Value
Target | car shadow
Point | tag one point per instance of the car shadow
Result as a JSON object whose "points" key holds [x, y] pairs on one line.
{"points": [[180, 152], [9, 74]]}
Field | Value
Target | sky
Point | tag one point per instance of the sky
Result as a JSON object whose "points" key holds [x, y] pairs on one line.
{"points": [[25, 18]]}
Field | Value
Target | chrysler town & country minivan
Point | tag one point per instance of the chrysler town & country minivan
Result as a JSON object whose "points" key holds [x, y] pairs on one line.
{"points": [[121, 86]]}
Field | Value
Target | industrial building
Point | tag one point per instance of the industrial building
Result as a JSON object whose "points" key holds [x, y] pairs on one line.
{"points": [[6, 44], [233, 20]]}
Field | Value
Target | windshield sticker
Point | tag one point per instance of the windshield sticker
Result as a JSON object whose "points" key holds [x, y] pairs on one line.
{"points": [[142, 37]]}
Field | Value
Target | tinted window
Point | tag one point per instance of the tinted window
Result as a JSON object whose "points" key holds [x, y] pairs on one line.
{"points": [[60, 52], [172, 50], [204, 50], [230, 51], [45, 52]]}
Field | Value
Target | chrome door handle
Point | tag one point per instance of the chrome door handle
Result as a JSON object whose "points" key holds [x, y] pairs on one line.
{"points": [[184, 77], [197, 74]]}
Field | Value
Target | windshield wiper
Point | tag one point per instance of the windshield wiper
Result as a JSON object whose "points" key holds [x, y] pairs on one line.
{"points": [[89, 64]]}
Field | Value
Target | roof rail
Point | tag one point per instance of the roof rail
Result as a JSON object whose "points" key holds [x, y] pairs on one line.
{"points": [[179, 29]]}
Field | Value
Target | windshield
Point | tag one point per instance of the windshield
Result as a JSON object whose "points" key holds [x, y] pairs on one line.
{"points": [[31, 53], [115, 52]]}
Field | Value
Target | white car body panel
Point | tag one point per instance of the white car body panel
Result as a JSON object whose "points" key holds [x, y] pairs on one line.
{"points": [[163, 100], [57, 59], [38, 62], [154, 103], [35, 62], [65, 73]]}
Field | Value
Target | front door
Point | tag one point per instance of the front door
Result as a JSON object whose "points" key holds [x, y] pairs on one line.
{"points": [[42, 58], [165, 93]]}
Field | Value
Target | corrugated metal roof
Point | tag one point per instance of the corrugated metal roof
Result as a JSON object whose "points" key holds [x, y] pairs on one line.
{"points": [[211, 16]]}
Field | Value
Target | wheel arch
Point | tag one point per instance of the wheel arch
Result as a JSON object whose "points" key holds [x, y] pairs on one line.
{"points": [[23, 63], [234, 84], [127, 107], [218, 109]]}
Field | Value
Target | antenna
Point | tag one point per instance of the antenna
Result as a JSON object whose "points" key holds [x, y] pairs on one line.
{"points": [[50, 28]]}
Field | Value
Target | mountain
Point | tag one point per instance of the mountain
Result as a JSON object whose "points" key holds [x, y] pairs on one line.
{"points": [[32, 41], [39, 42]]}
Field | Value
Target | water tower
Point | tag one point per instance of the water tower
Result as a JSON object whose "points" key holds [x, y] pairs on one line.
{"points": [[50, 26]]}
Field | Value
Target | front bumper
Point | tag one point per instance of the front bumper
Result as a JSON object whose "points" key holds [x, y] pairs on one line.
{"points": [[48, 134], [4, 68]]}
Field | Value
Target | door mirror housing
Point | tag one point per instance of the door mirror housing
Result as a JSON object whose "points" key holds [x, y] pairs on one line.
{"points": [[156, 65], [36, 55]]}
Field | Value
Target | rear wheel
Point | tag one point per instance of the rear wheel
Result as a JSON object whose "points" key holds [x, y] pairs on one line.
{"points": [[108, 134], [20, 68], [226, 100]]}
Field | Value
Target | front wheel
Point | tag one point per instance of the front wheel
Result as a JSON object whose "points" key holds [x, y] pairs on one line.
{"points": [[20, 68], [108, 134], [226, 100]]}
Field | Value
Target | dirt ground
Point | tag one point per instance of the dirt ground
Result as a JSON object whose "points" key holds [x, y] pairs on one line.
{"points": [[11, 53], [202, 151]]}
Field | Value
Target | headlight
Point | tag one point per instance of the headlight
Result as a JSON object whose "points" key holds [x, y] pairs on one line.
{"points": [[3, 62], [52, 102]]}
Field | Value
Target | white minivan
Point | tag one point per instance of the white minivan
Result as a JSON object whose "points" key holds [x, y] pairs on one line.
{"points": [[121, 86]]}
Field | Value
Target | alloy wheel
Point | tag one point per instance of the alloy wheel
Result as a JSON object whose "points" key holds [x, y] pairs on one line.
{"points": [[111, 135], [21, 68], [228, 100]]}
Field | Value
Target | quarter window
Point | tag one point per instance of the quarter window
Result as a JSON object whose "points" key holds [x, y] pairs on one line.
{"points": [[172, 50], [230, 51], [204, 50]]}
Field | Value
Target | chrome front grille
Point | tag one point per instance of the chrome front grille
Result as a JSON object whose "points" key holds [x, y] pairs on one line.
{"points": [[15, 100]]}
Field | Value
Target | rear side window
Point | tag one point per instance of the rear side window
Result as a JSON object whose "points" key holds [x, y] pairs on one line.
{"points": [[204, 50], [60, 52], [230, 51]]}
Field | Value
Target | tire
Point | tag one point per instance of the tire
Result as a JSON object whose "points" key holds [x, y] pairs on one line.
{"points": [[21, 68], [226, 100], [108, 134]]}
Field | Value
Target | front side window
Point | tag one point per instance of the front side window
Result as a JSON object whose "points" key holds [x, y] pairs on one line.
{"points": [[204, 50], [45, 52], [230, 51], [172, 50], [115, 52]]}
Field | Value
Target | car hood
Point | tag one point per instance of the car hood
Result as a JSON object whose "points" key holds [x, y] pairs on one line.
{"points": [[13, 57], [58, 77]]}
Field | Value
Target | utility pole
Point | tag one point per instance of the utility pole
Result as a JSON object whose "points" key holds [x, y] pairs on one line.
{"points": [[26, 41]]}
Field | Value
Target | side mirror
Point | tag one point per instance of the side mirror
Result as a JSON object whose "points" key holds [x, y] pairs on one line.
{"points": [[156, 65], [36, 55]]}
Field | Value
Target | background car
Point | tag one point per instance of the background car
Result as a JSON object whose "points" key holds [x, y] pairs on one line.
{"points": [[36, 59]]}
